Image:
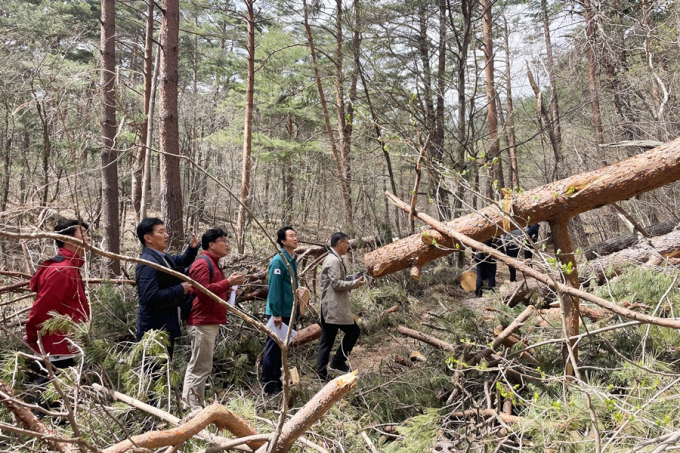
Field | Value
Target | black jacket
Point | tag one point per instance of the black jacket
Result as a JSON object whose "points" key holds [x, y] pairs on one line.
{"points": [[158, 304]]}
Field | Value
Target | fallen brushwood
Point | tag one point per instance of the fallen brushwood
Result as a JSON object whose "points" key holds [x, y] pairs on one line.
{"points": [[646, 253], [33, 424], [511, 340], [502, 337], [222, 417], [626, 241], [429, 339], [204, 434], [558, 200], [513, 293]]}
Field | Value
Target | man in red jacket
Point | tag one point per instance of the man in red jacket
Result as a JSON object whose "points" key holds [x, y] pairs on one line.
{"points": [[203, 323], [60, 289]]}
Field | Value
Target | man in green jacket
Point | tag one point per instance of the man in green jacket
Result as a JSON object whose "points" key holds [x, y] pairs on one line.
{"points": [[279, 305]]}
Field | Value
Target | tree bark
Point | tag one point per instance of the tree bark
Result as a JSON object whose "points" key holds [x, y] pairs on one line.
{"points": [[141, 148], [110, 220], [306, 335], [146, 175], [168, 131], [344, 128], [550, 61], [569, 303], [565, 198]]}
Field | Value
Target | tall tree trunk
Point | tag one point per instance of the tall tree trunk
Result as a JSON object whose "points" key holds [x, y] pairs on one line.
{"points": [[592, 73], [495, 168], [288, 181], [110, 220], [554, 106], [343, 126], [146, 176], [510, 124], [437, 149], [141, 148], [339, 165], [247, 127], [168, 131], [463, 38], [7, 162]]}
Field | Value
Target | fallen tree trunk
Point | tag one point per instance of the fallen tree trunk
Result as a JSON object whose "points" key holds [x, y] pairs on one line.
{"points": [[546, 279], [519, 291], [648, 252], [561, 199], [626, 241], [354, 244]]}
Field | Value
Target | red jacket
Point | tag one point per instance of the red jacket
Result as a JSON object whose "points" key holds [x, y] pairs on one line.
{"points": [[60, 288], [205, 310]]}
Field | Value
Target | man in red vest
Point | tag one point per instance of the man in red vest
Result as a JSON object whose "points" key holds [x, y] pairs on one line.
{"points": [[203, 323]]}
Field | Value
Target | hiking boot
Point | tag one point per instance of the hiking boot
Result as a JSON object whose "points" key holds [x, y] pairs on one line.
{"points": [[339, 367]]}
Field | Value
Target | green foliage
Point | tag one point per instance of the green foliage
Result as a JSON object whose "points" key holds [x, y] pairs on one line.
{"points": [[420, 433]]}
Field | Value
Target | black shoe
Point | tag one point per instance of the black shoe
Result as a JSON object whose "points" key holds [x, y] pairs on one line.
{"points": [[273, 391], [339, 367], [324, 378]]}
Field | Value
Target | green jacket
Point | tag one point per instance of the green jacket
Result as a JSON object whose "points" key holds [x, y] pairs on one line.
{"points": [[280, 297]]}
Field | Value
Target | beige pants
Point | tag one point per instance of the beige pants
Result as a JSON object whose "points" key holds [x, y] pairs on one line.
{"points": [[200, 365]]}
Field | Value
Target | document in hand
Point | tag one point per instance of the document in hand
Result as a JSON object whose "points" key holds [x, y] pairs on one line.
{"points": [[281, 331], [232, 296]]}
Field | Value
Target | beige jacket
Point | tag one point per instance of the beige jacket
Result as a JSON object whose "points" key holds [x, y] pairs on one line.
{"points": [[335, 287]]}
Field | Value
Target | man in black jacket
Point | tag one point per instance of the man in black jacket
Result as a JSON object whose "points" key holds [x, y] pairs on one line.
{"points": [[160, 294]]}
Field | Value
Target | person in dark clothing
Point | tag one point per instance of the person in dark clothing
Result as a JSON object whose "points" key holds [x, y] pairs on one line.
{"points": [[280, 301], [532, 231], [160, 294], [511, 248], [486, 268]]}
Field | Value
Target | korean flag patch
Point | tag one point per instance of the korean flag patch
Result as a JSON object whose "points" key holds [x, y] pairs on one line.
{"points": [[277, 271]]}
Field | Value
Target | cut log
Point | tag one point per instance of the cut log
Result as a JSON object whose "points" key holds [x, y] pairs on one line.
{"points": [[306, 335], [561, 199], [315, 408], [623, 242]]}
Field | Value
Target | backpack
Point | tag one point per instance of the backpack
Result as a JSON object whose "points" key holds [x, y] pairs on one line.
{"points": [[188, 302]]}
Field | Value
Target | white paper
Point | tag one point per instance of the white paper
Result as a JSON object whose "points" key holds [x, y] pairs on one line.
{"points": [[282, 331], [232, 296]]}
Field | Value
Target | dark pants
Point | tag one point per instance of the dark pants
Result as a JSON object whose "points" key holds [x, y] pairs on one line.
{"points": [[40, 379], [328, 334], [271, 364], [512, 253], [485, 271]]}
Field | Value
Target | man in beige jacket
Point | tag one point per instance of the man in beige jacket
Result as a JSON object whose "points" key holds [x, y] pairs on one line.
{"points": [[336, 313]]}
